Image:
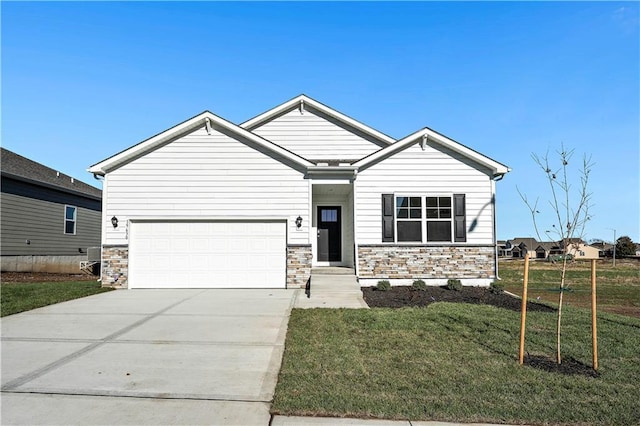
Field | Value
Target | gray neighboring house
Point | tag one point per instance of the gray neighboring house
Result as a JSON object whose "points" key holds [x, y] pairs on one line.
{"points": [[48, 219]]}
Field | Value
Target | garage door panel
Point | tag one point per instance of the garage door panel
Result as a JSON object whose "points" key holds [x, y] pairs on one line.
{"points": [[207, 254]]}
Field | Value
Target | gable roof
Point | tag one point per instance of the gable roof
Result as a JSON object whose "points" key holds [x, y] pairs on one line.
{"points": [[304, 101], [21, 168], [243, 131], [205, 118], [428, 136], [529, 243]]}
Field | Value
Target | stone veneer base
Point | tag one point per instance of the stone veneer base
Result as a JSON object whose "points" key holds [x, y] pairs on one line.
{"points": [[299, 258], [473, 265], [115, 265]]}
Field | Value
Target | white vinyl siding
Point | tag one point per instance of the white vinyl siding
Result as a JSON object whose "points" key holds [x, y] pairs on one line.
{"points": [[206, 177], [313, 137], [431, 172]]}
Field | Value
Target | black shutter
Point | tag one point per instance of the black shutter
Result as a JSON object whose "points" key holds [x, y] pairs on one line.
{"points": [[387, 217], [459, 218]]}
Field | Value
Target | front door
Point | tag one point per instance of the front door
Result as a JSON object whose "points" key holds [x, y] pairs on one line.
{"points": [[329, 234]]}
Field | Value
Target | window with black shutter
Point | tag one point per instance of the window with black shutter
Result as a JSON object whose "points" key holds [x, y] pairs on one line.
{"points": [[387, 218], [423, 218]]}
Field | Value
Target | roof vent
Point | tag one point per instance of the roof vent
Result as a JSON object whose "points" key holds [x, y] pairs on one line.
{"points": [[57, 174]]}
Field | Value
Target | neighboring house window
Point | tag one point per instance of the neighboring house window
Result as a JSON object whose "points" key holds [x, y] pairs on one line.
{"points": [[70, 215], [424, 218]]}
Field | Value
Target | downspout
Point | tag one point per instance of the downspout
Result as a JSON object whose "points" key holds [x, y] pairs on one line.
{"points": [[103, 215], [496, 178], [354, 210]]}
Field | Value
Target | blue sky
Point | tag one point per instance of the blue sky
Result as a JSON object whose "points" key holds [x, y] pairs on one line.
{"points": [[83, 80]]}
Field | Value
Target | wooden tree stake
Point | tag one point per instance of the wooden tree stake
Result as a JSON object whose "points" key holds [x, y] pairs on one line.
{"points": [[523, 318], [594, 328]]}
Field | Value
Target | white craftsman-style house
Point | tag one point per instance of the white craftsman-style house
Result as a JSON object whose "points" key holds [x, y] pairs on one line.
{"points": [[209, 203]]}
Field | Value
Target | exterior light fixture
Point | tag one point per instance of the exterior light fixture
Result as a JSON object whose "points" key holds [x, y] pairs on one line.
{"points": [[298, 222], [114, 222]]}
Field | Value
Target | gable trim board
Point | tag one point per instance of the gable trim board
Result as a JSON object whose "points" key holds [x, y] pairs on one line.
{"points": [[209, 169]]}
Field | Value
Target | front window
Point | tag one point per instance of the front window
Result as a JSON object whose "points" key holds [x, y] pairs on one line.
{"points": [[438, 218], [70, 213], [424, 218], [409, 218]]}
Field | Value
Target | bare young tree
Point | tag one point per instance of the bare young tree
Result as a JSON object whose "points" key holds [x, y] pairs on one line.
{"points": [[569, 211]]}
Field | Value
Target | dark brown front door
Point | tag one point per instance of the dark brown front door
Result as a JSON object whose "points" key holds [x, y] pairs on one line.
{"points": [[329, 234]]}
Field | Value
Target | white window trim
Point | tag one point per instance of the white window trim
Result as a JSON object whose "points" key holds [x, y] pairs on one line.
{"points": [[75, 220], [423, 217]]}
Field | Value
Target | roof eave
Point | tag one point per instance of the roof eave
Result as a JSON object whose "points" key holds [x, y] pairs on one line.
{"points": [[196, 122], [52, 186], [348, 172], [497, 169]]}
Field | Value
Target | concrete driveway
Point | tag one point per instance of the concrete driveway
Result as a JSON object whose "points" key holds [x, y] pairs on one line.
{"points": [[146, 357]]}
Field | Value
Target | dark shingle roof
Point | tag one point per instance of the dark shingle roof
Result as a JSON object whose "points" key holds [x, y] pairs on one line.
{"points": [[19, 167], [529, 243]]}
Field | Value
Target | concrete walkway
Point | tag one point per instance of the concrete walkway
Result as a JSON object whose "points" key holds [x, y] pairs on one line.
{"points": [[331, 288], [146, 357]]}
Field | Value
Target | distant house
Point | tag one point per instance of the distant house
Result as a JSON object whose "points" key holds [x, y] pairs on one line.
{"points": [[579, 249], [547, 248], [519, 247], [501, 246], [49, 219], [604, 249]]}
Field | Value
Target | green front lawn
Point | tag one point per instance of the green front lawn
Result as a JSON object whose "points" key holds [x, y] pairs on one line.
{"points": [[20, 297], [618, 289], [457, 362]]}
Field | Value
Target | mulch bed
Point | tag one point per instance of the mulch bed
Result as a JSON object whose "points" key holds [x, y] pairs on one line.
{"points": [[405, 296], [42, 277]]}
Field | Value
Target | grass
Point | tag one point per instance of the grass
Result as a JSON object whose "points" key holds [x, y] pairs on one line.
{"points": [[618, 289], [20, 297], [456, 362]]}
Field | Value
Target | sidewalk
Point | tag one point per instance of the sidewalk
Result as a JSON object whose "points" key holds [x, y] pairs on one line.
{"points": [[328, 421]]}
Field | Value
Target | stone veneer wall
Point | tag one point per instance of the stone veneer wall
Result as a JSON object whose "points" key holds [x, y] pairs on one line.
{"points": [[298, 265], [115, 266], [426, 262]]}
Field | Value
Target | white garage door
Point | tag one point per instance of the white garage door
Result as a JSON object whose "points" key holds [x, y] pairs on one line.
{"points": [[180, 254]]}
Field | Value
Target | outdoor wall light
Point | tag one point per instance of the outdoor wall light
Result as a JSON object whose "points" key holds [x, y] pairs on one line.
{"points": [[114, 222], [298, 222]]}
